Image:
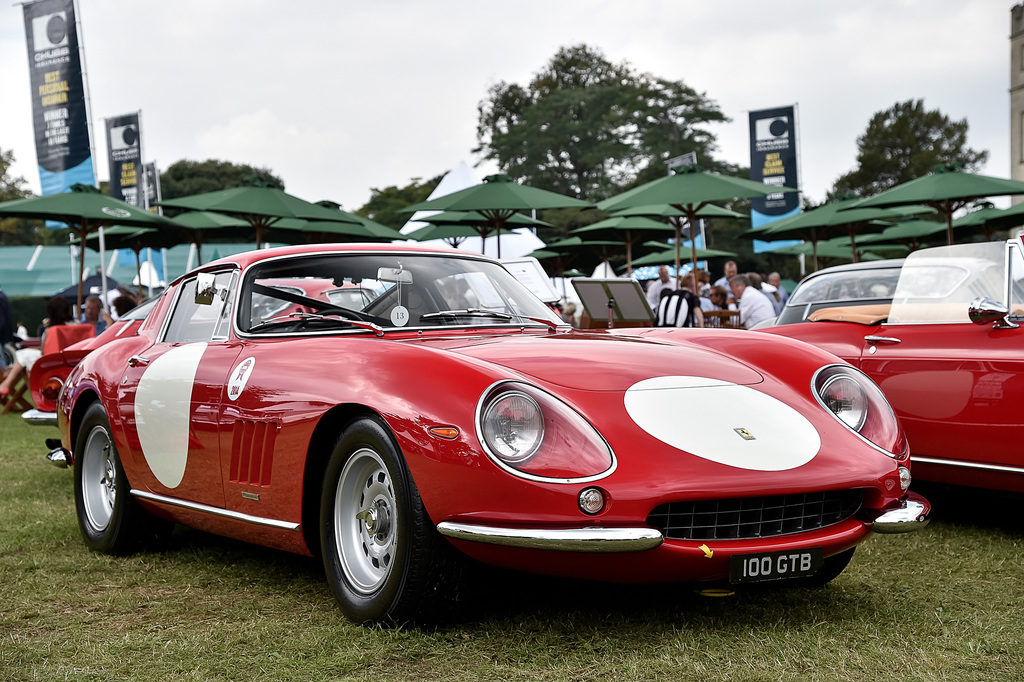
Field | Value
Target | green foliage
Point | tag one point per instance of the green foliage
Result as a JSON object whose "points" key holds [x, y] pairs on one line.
{"points": [[587, 128], [185, 178], [903, 143], [20, 231], [384, 204]]}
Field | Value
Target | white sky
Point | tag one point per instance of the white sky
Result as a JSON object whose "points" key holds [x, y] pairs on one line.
{"points": [[337, 97]]}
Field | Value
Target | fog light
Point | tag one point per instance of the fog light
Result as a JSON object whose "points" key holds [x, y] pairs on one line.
{"points": [[591, 500], [904, 478]]}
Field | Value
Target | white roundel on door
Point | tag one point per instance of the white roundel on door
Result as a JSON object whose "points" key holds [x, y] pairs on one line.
{"points": [[240, 377], [723, 422], [162, 406]]}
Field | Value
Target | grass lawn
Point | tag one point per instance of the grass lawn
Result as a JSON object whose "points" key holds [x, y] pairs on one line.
{"points": [[942, 604]]}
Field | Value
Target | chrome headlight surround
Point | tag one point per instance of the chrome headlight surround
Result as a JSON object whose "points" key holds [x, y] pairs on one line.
{"points": [[857, 403], [532, 434]]}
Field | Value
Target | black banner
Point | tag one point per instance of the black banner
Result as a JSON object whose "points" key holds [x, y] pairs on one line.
{"points": [[59, 111], [773, 160], [124, 150]]}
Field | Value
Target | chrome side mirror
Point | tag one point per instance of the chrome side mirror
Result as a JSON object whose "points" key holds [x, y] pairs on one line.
{"points": [[206, 288], [984, 310]]}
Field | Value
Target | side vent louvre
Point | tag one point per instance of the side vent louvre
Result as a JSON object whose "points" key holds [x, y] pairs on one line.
{"points": [[252, 452]]}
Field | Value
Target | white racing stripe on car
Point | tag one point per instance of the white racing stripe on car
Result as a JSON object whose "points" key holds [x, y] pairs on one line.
{"points": [[162, 405], [723, 422]]}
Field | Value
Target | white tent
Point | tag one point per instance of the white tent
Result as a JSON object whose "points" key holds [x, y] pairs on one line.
{"points": [[514, 244]]}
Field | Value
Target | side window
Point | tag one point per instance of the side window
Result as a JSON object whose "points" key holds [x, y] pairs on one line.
{"points": [[191, 321]]}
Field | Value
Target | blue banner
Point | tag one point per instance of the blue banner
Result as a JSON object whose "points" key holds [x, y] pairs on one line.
{"points": [[59, 111]]}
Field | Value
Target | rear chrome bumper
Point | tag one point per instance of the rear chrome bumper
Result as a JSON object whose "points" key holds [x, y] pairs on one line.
{"points": [[911, 515], [591, 539], [40, 418]]}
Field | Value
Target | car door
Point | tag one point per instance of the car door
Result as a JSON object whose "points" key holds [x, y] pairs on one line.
{"points": [[171, 392], [957, 386]]}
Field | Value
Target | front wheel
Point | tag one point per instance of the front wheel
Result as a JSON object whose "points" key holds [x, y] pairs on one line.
{"points": [[380, 549], [110, 519]]}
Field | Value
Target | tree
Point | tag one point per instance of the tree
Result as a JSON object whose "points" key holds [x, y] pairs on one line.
{"points": [[19, 231], [384, 204], [185, 178], [586, 127], [903, 143]]}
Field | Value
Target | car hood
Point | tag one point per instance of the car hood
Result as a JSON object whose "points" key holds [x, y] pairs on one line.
{"points": [[596, 362]]}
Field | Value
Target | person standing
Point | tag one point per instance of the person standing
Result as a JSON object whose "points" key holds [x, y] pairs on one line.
{"points": [[659, 285], [754, 305], [775, 279]]}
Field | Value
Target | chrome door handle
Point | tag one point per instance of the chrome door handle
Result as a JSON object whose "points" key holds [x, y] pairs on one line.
{"points": [[136, 360], [882, 339]]}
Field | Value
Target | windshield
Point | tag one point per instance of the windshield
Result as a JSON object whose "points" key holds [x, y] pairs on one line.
{"points": [[938, 285], [847, 286], [332, 292]]}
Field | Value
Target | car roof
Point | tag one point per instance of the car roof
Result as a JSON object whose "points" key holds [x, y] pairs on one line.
{"points": [[862, 265]]}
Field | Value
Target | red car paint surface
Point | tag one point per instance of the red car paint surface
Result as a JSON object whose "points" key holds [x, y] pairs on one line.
{"points": [[957, 387], [270, 410]]}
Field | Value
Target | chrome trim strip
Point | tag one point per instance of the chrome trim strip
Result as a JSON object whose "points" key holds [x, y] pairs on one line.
{"points": [[37, 417], [967, 465], [206, 509], [589, 539], [911, 516]]}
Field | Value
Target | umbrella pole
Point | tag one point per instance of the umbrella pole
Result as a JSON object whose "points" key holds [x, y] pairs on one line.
{"points": [[138, 270], [948, 210], [691, 218], [81, 266]]}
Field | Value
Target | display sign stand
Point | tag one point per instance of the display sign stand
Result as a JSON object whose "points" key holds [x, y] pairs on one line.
{"points": [[622, 300]]}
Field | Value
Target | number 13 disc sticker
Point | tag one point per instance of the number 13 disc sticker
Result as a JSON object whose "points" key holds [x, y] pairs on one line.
{"points": [[399, 316]]}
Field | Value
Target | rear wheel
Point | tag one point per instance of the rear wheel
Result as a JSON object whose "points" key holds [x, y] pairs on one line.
{"points": [[110, 519], [381, 552]]}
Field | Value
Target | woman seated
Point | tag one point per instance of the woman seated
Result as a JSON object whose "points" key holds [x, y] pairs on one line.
{"points": [[58, 311]]}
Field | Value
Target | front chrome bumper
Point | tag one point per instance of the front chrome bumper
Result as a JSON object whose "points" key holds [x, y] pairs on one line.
{"points": [[40, 418], [911, 515], [593, 539]]}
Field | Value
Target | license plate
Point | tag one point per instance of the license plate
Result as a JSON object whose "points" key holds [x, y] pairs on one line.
{"points": [[768, 566]]}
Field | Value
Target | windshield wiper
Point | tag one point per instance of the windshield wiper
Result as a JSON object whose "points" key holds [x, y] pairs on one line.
{"points": [[337, 316], [468, 312]]}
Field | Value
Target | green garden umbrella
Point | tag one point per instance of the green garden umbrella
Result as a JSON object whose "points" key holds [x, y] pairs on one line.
{"points": [[498, 199], [197, 227], [259, 206], [990, 219], [912, 234], [689, 190], [667, 255], [946, 189], [136, 239], [630, 229], [842, 217], [455, 227], [84, 210]]}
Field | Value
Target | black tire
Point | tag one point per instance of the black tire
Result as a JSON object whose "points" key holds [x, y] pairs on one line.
{"points": [[110, 519], [384, 559]]}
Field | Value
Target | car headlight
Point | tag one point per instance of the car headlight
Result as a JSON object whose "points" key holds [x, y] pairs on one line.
{"points": [[532, 434], [858, 403]]}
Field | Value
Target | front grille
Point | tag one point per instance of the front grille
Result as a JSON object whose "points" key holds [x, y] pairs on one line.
{"points": [[754, 517]]}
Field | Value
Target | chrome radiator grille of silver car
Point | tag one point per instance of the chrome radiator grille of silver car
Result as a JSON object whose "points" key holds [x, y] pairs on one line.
{"points": [[754, 517]]}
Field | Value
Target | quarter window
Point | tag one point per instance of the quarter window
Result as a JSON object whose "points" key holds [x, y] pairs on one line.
{"points": [[191, 322]]}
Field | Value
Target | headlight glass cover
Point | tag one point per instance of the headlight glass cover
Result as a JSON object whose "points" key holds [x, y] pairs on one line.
{"points": [[857, 402], [532, 434]]}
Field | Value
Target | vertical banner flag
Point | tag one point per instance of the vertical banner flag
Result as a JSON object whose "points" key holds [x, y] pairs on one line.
{"points": [[773, 161], [59, 110], [124, 150], [151, 183]]}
